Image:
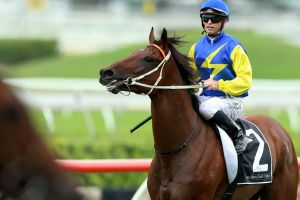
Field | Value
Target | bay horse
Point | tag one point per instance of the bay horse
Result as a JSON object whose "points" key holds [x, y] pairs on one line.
{"points": [[27, 167], [188, 163]]}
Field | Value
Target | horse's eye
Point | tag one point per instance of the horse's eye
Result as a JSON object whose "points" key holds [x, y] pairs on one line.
{"points": [[148, 59]]}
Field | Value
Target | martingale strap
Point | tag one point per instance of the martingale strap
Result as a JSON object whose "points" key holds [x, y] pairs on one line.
{"points": [[185, 143]]}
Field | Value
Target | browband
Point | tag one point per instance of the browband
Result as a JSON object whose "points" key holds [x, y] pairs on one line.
{"points": [[160, 49]]}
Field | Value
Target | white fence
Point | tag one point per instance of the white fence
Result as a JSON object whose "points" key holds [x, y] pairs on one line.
{"points": [[85, 95], [50, 94]]}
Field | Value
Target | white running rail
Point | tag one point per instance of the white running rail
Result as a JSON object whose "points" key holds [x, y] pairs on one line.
{"points": [[50, 94]]}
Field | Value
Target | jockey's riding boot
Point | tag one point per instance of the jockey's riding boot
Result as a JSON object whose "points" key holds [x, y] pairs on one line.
{"points": [[233, 129]]}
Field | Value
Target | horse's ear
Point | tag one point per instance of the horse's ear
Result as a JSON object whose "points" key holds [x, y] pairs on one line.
{"points": [[164, 38], [151, 36]]}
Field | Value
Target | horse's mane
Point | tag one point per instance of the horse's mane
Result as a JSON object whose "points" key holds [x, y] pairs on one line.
{"points": [[188, 74]]}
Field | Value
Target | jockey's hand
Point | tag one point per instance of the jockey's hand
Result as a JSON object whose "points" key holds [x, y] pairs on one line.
{"points": [[211, 84]]}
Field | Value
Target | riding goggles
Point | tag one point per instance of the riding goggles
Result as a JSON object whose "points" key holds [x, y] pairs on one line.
{"points": [[212, 17]]}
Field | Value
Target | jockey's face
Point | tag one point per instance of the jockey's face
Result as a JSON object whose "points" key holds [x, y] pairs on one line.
{"points": [[212, 23], [212, 28]]}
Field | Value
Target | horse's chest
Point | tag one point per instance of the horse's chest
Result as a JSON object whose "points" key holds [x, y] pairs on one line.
{"points": [[173, 190], [174, 187], [185, 182]]}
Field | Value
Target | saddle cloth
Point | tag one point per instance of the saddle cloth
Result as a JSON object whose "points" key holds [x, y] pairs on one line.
{"points": [[254, 165]]}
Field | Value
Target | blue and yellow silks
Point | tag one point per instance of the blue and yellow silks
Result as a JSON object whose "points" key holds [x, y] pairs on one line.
{"points": [[222, 59]]}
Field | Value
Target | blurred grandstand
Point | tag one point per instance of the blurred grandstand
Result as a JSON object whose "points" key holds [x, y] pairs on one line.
{"points": [[85, 26]]}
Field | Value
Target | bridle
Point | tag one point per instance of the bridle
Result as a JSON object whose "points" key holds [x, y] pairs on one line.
{"points": [[135, 81]]}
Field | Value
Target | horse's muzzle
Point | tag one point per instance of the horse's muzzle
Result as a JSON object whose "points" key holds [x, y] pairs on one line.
{"points": [[108, 79], [106, 76]]}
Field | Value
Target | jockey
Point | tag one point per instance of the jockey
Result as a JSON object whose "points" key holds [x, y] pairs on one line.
{"points": [[225, 70]]}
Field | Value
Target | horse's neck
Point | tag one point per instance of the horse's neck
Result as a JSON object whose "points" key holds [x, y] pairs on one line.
{"points": [[172, 118]]}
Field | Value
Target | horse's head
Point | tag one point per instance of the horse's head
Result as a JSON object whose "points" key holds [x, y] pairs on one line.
{"points": [[27, 167], [144, 66]]}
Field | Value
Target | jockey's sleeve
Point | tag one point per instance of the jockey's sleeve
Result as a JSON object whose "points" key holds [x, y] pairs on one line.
{"points": [[242, 67], [191, 56]]}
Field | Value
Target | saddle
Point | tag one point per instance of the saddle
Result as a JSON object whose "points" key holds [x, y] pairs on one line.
{"points": [[254, 165]]}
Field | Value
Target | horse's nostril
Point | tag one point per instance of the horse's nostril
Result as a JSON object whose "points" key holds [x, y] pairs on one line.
{"points": [[107, 73]]}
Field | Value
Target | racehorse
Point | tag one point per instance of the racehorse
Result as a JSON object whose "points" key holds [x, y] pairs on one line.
{"points": [[188, 163], [27, 167]]}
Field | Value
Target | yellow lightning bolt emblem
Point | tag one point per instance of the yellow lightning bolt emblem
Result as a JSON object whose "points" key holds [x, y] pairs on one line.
{"points": [[217, 67]]}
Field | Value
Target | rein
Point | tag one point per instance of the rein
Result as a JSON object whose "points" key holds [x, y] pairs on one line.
{"points": [[134, 81], [185, 143]]}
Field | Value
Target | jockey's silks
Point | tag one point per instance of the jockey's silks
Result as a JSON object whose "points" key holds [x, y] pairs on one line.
{"points": [[222, 59]]}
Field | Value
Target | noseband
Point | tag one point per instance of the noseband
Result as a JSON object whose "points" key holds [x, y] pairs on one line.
{"points": [[134, 81]]}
